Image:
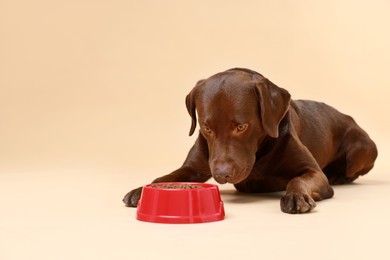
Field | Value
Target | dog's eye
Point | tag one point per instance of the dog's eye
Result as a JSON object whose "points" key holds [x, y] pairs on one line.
{"points": [[242, 127], [207, 129]]}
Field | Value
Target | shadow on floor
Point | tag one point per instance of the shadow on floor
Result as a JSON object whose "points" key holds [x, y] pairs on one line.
{"points": [[233, 196]]}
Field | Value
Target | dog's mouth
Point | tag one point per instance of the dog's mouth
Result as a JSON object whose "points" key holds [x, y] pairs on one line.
{"points": [[220, 179]]}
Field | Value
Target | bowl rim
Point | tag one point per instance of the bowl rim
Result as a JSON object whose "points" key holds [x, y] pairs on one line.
{"points": [[202, 184]]}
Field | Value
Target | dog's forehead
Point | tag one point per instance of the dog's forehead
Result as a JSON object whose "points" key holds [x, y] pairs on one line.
{"points": [[229, 79], [227, 84], [227, 94]]}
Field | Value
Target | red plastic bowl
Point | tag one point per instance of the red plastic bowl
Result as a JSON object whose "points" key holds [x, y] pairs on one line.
{"points": [[178, 204]]}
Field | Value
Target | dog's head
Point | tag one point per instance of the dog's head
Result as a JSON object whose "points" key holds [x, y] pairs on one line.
{"points": [[236, 110]]}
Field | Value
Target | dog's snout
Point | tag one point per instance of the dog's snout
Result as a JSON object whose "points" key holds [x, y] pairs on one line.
{"points": [[222, 172]]}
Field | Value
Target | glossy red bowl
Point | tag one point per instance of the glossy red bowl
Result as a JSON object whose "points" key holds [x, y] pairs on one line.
{"points": [[180, 203]]}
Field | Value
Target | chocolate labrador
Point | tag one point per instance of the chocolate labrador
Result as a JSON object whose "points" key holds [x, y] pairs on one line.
{"points": [[254, 136]]}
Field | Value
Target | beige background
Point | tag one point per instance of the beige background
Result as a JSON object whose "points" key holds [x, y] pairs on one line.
{"points": [[92, 105]]}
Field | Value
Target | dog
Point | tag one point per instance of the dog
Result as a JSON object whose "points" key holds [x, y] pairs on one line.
{"points": [[254, 136]]}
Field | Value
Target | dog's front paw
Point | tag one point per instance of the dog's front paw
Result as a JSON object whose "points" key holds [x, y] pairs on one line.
{"points": [[131, 199], [295, 202]]}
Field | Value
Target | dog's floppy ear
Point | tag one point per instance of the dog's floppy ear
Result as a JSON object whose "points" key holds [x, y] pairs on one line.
{"points": [[190, 103], [274, 103]]}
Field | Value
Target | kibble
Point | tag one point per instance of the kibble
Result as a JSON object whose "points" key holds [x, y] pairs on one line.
{"points": [[175, 186]]}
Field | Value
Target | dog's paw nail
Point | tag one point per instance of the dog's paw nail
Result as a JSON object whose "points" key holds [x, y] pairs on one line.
{"points": [[295, 203]]}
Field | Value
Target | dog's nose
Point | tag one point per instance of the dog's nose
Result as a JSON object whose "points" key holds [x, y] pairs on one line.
{"points": [[222, 172]]}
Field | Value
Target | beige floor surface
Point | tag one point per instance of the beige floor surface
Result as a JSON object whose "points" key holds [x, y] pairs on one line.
{"points": [[78, 214]]}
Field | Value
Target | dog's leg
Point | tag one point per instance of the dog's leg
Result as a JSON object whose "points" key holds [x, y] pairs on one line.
{"points": [[304, 190], [361, 153], [356, 157], [308, 182], [194, 169]]}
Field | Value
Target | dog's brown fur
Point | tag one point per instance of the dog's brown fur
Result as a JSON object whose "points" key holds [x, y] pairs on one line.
{"points": [[254, 136]]}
